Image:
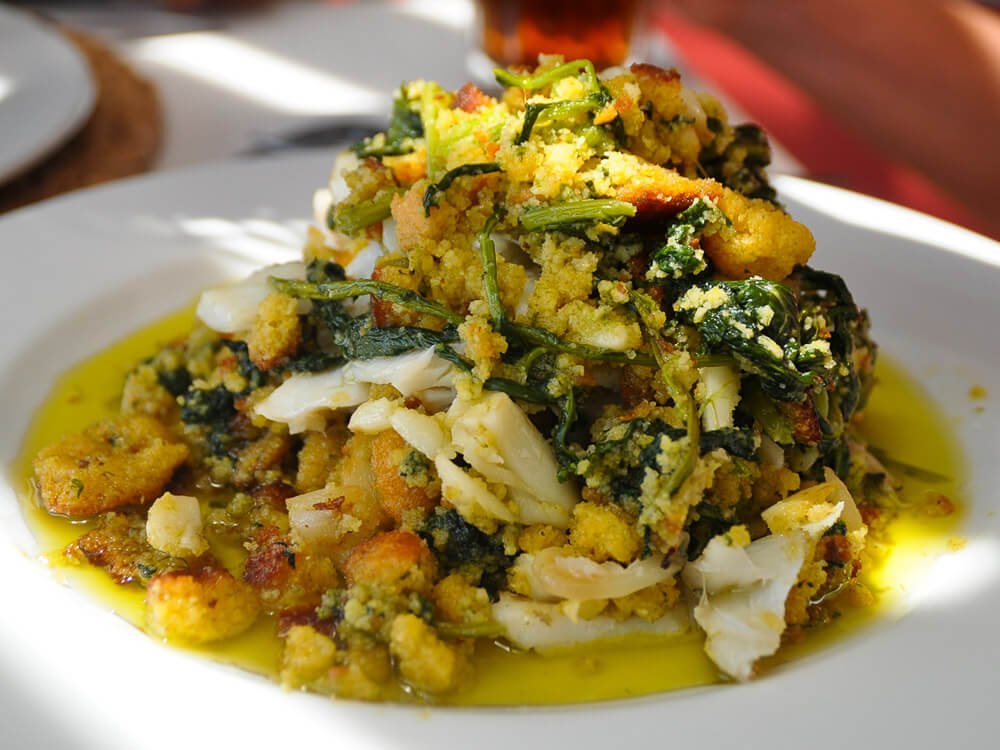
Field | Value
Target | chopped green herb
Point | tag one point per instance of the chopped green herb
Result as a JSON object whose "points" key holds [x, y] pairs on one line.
{"points": [[588, 211], [466, 170]]}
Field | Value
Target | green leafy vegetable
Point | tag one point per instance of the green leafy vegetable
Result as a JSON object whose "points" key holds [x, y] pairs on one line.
{"points": [[316, 361], [254, 377], [447, 353], [214, 409], [762, 408], [824, 296], [533, 335], [353, 338], [683, 401], [544, 338], [741, 165], [339, 290], [734, 440], [628, 465], [175, 381], [519, 391], [491, 285], [560, 435], [466, 170], [461, 546], [681, 256], [325, 315], [367, 341], [351, 219], [757, 321], [404, 128], [540, 80], [710, 521], [554, 111], [588, 211], [208, 406]]}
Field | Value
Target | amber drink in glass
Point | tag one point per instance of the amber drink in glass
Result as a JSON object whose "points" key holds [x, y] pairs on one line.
{"points": [[515, 32]]}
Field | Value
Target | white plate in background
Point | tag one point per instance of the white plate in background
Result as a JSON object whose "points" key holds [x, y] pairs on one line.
{"points": [[80, 272], [46, 90]]}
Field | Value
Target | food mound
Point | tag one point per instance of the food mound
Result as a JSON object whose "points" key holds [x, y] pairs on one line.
{"points": [[553, 371]]}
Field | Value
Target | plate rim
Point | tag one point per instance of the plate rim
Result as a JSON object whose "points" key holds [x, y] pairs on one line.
{"points": [[419, 724], [77, 77]]}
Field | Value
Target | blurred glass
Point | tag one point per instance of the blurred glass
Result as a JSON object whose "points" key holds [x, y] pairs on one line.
{"points": [[515, 32]]}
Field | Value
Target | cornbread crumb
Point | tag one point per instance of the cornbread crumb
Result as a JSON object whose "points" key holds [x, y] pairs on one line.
{"points": [[117, 462]]}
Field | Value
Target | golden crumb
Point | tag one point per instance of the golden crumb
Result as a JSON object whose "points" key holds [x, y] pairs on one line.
{"points": [[316, 460], [394, 464], [764, 241], [604, 532], [307, 656], [396, 559], [199, 607], [276, 331], [540, 536], [423, 659], [117, 462], [458, 601]]}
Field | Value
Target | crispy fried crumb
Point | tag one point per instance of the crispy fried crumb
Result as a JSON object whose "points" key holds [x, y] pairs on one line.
{"points": [[117, 462]]}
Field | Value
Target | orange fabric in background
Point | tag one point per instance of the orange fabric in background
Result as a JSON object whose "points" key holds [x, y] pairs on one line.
{"points": [[828, 150]]}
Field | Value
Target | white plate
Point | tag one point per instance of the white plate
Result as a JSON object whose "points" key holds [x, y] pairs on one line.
{"points": [[46, 92], [83, 270]]}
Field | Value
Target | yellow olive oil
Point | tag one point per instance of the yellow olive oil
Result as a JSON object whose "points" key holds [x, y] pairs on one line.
{"points": [[900, 419]]}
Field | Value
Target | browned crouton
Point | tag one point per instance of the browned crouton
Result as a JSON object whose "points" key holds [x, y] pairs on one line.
{"points": [[286, 579], [317, 457], [412, 225], [424, 660], [276, 332], [396, 494], [122, 461], [804, 421], [118, 544], [199, 607], [764, 241], [654, 191], [394, 559]]}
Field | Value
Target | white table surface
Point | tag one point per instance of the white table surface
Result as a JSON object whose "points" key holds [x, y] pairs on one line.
{"points": [[229, 81]]}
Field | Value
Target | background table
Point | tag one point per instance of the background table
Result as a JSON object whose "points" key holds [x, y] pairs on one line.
{"points": [[233, 81]]}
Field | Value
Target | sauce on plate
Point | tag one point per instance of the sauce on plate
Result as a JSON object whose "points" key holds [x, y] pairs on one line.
{"points": [[900, 418]]}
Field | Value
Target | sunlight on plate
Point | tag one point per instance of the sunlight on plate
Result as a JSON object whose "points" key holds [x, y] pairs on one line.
{"points": [[6, 88], [265, 77], [960, 576], [869, 213], [258, 241]]}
